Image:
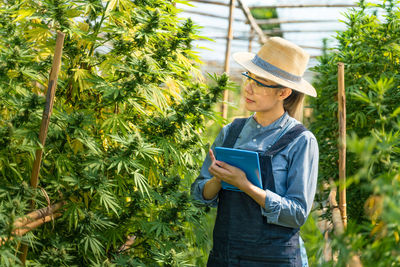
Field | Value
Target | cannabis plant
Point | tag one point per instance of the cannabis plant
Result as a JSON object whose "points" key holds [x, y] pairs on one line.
{"points": [[369, 48], [376, 240], [124, 140]]}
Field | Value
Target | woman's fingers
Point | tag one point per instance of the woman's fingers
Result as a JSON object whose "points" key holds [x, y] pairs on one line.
{"points": [[227, 173], [213, 169], [227, 167], [216, 170], [211, 155]]}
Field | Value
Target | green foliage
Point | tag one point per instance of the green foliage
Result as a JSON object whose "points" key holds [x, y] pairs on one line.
{"points": [[313, 239], [369, 49], [125, 136], [266, 13], [377, 239]]}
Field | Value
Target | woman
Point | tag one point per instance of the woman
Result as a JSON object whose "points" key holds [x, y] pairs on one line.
{"points": [[260, 226]]}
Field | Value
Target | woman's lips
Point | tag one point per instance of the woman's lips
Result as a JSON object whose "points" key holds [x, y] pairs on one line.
{"points": [[249, 100]]}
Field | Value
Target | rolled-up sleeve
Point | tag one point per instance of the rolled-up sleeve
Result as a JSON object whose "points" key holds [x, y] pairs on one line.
{"points": [[198, 185], [293, 208]]}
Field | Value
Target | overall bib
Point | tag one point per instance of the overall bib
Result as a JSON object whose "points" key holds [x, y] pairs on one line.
{"points": [[242, 236]]}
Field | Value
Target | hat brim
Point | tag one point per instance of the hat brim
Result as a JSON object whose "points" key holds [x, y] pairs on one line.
{"points": [[244, 59]]}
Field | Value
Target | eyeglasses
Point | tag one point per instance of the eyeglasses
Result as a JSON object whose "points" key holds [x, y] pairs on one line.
{"points": [[251, 79]]}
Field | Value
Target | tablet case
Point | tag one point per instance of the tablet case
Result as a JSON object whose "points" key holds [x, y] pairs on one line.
{"points": [[247, 161]]}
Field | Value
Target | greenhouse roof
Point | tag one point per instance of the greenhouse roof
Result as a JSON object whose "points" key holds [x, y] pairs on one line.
{"points": [[304, 22]]}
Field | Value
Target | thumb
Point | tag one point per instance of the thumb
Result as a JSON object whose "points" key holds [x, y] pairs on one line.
{"points": [[211, 153]]}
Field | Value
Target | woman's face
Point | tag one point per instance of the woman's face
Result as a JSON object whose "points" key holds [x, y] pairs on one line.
{"points": [[262, 99]]}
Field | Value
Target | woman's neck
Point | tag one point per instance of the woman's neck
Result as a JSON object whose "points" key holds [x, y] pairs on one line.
{"points": [[265, 118]]}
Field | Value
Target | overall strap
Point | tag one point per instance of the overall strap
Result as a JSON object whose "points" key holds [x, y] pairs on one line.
{"points": [[286, 139], [233, 132]]}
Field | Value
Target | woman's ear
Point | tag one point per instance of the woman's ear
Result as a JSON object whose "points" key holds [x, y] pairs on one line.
{"points": [[284, 93]]}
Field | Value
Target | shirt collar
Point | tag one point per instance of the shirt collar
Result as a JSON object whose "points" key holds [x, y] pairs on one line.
{"points": [[279, 123]]}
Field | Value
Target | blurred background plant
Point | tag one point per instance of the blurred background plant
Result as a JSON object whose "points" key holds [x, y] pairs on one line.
{"points": [[369, 48]]}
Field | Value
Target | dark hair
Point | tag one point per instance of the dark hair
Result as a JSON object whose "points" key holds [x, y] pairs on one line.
{"points": [[293, 104]]}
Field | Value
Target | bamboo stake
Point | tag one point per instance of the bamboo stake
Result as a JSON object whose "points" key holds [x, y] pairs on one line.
{"points": [[342, 143], [49, 107], [34, 219], [224, 108], [38, 214], [35, 224], [29, 227], [252, 21], [45, 122]]}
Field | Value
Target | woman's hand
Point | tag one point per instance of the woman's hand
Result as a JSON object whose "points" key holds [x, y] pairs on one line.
{"points": [[228, 173]]}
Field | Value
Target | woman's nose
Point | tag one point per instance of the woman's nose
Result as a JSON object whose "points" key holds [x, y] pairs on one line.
{"points": [[248, 88]]}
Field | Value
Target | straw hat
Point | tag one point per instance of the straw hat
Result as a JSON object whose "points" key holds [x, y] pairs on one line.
{"points": [[279, 61]]}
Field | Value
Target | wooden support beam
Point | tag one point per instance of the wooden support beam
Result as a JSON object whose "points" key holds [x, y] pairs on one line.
{"points": [[281, 21], [253, 24], [275, 6], [212, 3], [303, 5], [211, 15], [311, 47], [224, 107], [279, 31], [250, 38], [245, 34]]}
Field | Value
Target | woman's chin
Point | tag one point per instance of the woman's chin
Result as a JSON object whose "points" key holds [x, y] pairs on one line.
{"points": [[250, 107]]}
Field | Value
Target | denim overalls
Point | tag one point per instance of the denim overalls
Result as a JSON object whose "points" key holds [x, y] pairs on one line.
{"points": [[242, 236]]}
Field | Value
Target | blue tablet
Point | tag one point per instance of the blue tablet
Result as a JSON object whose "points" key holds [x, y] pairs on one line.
{"points": [[247, 161]]}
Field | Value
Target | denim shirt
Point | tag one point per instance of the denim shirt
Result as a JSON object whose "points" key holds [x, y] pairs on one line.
{"points": [[295, 170]]}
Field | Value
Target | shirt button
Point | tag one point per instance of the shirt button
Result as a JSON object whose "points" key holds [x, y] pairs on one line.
{"points": [[254, 140], [258, 126]]}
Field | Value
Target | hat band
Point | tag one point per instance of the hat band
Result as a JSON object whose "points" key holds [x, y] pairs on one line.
{"points": [[275, 70]]}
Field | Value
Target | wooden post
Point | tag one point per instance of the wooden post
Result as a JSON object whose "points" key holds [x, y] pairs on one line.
{"points": [[251, 37], [51, 89], [252, 21], [224, 108], [342, 143]]}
